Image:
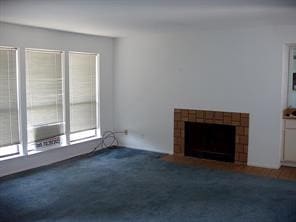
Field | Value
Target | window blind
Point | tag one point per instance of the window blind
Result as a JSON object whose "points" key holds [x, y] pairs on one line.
{"points": [[44, 94], [83, 106], [9, 130]]}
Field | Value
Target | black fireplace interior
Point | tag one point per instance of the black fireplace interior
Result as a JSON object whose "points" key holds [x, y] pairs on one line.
{"points": [[210, 141]]}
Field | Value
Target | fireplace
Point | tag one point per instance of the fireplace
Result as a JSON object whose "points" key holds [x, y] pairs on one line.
{"points": [[210, 141], [238, 121]]}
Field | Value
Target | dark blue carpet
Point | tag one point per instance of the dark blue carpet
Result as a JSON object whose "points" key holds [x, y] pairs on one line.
{"points": [[128, 185]]}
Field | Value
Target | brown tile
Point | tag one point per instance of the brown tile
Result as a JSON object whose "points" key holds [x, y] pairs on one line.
{"points": [[177, 148], [227, 120], [285, 173], [226, 114], [240, 163], [240, 130], [209, 115], [245, 115], [236, 134], [177, 132], [184, 114], [180, 124], [246, 131], [239, 148], [235, 117], [274, 173], [239, 166], [177, 140], [218, 115], [177, 116], [233, 123], [243, 140], [242, 157], [191, 111], [199, 120], [199, 114], [192, 117], [291, 173], [182, 133], [245, 121], [182, 148]]}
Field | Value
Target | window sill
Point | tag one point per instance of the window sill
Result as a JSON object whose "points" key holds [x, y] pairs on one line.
{"points": [[53, 147], [11, 157]]}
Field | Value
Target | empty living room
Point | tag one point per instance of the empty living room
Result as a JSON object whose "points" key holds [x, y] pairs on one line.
{"points": [[146, 111]]}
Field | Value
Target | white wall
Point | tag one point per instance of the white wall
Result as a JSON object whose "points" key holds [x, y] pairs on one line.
{"points": [[29, 37], [236, 70]]}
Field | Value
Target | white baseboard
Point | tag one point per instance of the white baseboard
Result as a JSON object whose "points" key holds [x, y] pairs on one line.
{"points": [[288, 163], [146, 149], [264, 165], [47, 157]]}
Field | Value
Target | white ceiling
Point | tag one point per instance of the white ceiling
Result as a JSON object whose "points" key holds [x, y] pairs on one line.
{"points": [[122, 17]]}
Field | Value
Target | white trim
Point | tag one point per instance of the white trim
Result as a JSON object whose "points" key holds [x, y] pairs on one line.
{"points": [[23, 101], [82, 135], [97, 74], [98, 87], [155, 150], [84, 53], [18, 86], [288, 163], [36, 159], [270, 166], [44, 50], [66, 89], [8, 48]]}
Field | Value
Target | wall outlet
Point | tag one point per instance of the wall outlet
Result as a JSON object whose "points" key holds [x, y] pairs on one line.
{"points": [[125, 131]]}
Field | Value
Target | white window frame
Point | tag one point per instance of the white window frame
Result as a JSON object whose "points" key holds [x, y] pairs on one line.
{"points": [[22, 102], [97, 131], [32, 146], [19, 146]]}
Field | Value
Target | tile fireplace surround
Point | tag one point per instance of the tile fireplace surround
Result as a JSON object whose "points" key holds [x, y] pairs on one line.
{"points": [[239, 120]]}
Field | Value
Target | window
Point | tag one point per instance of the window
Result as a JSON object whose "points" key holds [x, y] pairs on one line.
{"points": [[61, 99], [45, 116], [83, 94], [9, 121]]}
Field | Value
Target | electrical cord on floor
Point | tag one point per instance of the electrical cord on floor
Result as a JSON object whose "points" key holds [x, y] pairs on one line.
{"points": [[108, 140]]}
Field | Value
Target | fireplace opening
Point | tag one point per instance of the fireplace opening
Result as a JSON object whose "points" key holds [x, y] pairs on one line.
{"points": [[210, 141]]}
